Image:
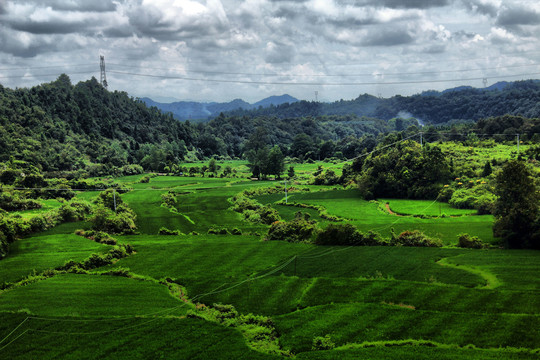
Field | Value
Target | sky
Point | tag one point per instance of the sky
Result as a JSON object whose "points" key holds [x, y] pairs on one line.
{"points": [[220, 50]]}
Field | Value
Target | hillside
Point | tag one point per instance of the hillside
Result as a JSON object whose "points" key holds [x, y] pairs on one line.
{"points": [[431, 107], [58, 126]]}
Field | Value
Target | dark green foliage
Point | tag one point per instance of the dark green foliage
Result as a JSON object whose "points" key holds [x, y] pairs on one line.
{"points": [[347, 234], [75, 210], [14, 202], [164, 231], [414, 238], [120, 222], [297, 230], [516, 212], [323, 343], [487, 169], [290, 172], [404, 171], [471, 242], [329, 177]]}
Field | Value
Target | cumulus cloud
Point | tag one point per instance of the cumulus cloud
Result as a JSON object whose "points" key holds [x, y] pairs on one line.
{"points": [[281, 37], [176, 20], [512, 16], [484, 7]]}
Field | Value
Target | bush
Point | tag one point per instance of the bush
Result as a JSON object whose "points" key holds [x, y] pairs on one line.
{"points": [[297, 230], [121, 222], [347, 234], [164, 231], [471, 242], [323, 343], [415, 238], [236, 231], [145, 179]]}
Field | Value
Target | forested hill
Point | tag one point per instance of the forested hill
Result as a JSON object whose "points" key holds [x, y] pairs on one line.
{"points": [[86, 130], [60, 126], [517, 98]]}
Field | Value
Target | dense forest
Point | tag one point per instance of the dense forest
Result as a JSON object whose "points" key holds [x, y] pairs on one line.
{"points": [[84, 130]]}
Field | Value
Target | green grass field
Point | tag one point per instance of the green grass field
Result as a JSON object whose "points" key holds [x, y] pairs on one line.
{"points": [[373, 302]]}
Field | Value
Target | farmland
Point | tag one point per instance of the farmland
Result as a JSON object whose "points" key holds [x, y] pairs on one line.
{"points": [[379, 302]]}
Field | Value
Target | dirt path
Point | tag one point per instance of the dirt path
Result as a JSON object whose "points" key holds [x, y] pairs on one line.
{"points": [[390, 211]]}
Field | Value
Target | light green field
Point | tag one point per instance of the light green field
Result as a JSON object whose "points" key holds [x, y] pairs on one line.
{"points": [[424, 207], [39, 253]]}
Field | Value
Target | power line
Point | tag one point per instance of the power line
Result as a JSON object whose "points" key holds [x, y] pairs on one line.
{"points": [[331, 75], [171, 77]]}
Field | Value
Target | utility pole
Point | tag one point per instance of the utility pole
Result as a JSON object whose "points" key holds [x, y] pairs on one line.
{"points": [[484, 80], [421, 141], [114, 197], [285, 191], [517, 144], [103, 77], [316, 96]]}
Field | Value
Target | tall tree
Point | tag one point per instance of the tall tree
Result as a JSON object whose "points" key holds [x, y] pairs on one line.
{"points": [[517, 208], [276, 163]]}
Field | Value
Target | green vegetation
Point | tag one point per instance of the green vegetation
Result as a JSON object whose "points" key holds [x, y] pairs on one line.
{"points": [[391, 254]]}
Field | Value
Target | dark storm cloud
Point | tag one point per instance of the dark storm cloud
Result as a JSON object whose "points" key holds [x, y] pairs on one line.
{"points": [[388, 37], [50, 27], [480, 7], [509, 17], [2, 7], [405, 4], [12, 43], [154, 22], [76, 5]]}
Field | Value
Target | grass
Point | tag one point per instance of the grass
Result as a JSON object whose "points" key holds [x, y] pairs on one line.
{"points": [[135, 338], [368, 215], [350, 323], [45, 252], [91, 296], [48, 204], [378, 295], [424, 207]]}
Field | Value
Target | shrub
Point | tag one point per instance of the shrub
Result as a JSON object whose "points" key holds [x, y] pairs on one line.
{"points": [[471, 242], [145, 179], [164, 231], [415, 238], [323, 343], [347, 234], [297, 230], [236, 231], [121, 222]]}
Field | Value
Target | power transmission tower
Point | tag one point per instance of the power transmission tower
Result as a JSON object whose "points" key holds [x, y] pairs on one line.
{"points": [[484, 80], [103, 77], [316, 96]]}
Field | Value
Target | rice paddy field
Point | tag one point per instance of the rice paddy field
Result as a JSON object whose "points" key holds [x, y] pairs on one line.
{"points": [[305, 301]]}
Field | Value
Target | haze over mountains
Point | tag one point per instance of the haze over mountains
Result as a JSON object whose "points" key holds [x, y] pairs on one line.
{"points": [[192, 110], [435, 107]]}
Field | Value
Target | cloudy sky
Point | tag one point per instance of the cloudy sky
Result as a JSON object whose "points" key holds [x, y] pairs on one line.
{"points": [[219, 50]]}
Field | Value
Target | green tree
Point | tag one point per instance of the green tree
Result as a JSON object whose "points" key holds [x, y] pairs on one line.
{"points": [[487, 169], [276, 163], [213, 167], [290, 172], [517, 208]]}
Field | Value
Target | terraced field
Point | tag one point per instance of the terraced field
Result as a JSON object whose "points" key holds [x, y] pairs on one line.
{"points": [[370, 302]]}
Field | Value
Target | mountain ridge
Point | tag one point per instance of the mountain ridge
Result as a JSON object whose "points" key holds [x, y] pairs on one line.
{"points": [[193, 110]]}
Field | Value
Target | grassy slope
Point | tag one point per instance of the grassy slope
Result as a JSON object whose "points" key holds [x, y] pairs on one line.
{"points": [[45, 252], [367, 216], [347, 292]]}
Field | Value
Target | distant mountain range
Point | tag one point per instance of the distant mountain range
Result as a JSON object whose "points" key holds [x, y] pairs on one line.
{"points": [[191, 110]]}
